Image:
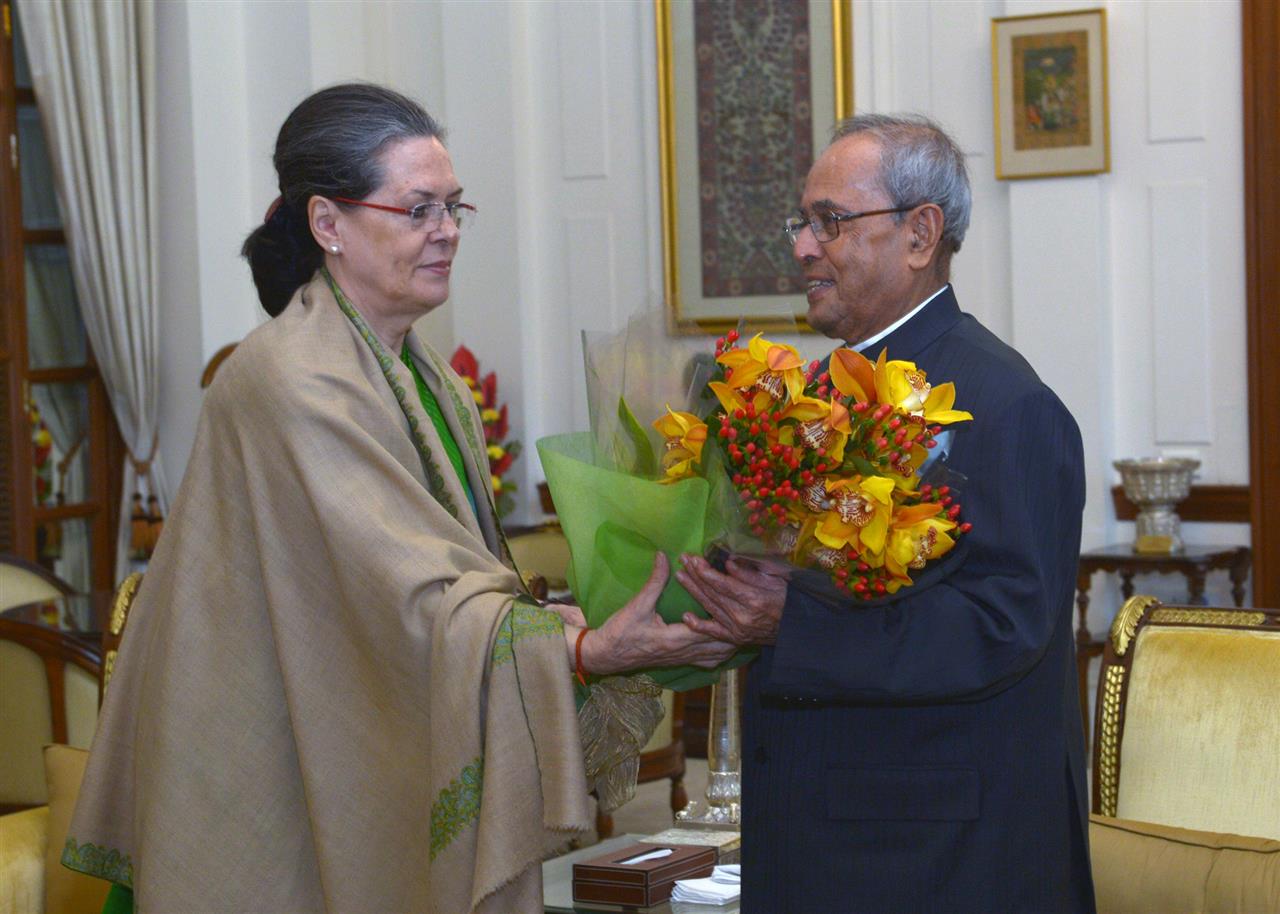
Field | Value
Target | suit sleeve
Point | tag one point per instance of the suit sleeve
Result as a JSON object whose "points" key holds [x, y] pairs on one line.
{"points": [[982, 627]]}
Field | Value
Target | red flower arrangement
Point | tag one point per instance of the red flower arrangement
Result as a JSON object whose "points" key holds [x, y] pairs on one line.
{"points": [[496, 426]]}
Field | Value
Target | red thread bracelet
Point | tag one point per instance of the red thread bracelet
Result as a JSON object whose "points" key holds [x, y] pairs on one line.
{"points": [[577, 658]]}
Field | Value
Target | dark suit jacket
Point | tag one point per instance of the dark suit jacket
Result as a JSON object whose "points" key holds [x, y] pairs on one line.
{"points": [[926, 754]]}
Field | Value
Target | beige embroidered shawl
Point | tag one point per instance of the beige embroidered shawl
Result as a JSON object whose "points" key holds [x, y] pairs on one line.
{"points": [[325, 699]]}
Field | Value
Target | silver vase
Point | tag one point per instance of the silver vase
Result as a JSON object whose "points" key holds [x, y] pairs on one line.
{"points": [[1155, 485]]}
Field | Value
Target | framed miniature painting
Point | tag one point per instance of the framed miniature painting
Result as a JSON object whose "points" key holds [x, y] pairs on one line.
{"points": [[1049, 77], [747, 96]]}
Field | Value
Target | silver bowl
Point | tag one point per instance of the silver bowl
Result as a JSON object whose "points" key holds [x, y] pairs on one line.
{"points": [[1155, 485]]}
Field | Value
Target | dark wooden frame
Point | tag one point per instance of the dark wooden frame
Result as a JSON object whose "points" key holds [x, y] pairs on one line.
{"points": [[1260, 48], [1117, 666]]}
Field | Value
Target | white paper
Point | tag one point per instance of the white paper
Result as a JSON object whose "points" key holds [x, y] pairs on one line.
{"points": [[650, 855]]}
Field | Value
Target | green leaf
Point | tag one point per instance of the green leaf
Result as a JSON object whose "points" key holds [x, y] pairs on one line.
{"points": [[863, 466], [631, 446]]}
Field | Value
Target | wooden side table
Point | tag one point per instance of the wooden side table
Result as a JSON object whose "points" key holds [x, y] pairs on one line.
{"points": [[1194, 563]]}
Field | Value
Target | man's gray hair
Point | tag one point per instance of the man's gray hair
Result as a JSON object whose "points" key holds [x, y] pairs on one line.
{"points": [[919, 163]]}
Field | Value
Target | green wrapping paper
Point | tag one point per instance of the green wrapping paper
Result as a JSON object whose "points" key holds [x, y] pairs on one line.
{"points": [[616, 522]]}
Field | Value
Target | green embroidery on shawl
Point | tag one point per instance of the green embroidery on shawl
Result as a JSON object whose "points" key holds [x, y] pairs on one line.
{"points": [[386, 363], [103, 862], [523, 621], [457, 806]]}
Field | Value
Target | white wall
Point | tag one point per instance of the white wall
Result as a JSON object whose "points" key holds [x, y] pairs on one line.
{"points": [[1124, 290]]}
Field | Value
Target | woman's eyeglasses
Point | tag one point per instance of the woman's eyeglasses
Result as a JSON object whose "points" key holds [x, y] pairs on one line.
{"points": [[426, 217]]}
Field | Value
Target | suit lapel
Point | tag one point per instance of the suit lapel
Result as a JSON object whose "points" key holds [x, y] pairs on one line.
{"points": [[913, 337]]}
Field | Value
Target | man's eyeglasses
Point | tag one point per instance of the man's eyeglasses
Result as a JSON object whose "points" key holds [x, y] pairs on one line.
{"points": [[826, 223], [426, 217]]}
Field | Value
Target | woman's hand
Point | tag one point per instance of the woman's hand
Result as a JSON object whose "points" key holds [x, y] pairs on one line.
{"points": [[745, 604], [636, 637]]}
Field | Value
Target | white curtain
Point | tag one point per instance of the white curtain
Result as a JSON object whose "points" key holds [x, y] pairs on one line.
{"points": [[93, 69]]}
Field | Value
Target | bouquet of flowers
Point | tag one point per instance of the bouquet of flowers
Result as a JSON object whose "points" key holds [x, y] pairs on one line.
{"points": [[823, 474], [827, 463], [496, 427]]}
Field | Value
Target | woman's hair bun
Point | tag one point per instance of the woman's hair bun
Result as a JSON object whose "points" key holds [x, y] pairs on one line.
{"points": [[331, 145]]}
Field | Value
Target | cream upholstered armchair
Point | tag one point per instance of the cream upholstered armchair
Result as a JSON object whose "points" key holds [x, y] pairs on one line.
{"points": [[1186, 797], [23, 582], [60, 683]]}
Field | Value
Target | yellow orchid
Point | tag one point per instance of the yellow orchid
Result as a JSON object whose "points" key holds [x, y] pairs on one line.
{"points": [[496, 451], [859, 517], [905, 387], [685, 436], [489, 414], [772, 367], [496, 482], [733, 400], [821, 425], [917, 534]]}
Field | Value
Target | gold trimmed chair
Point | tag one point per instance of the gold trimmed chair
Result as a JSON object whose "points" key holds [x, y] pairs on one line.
{"points": [[1186, 801]]}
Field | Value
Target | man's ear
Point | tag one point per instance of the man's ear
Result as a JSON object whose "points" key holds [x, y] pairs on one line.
{"points": [[322, 215], [925, 226]]}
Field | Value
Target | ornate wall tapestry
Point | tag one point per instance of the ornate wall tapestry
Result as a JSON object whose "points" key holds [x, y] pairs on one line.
{"points": [[755, 140], [748, 91]]}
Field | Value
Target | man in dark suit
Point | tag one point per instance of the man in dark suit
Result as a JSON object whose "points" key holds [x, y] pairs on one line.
{"points": [[924, 753]]}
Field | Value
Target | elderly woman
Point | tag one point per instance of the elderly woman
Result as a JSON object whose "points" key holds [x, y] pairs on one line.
{"points": [[333, 694]]}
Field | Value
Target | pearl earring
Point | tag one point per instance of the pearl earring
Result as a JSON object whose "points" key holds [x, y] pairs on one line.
{"points": [[334, 248]]}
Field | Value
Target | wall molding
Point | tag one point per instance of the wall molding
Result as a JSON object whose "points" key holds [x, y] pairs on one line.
{"points": [[1212, 504]]}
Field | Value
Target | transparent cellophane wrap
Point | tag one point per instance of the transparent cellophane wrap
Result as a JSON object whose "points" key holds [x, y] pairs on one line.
{"points": [[606, 483]]}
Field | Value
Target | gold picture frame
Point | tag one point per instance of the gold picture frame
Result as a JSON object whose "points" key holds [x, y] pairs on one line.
{"points": [[1049, 91], [686, 278]]}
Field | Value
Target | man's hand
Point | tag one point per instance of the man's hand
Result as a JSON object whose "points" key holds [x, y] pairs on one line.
{"points": [[745, 604]]}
